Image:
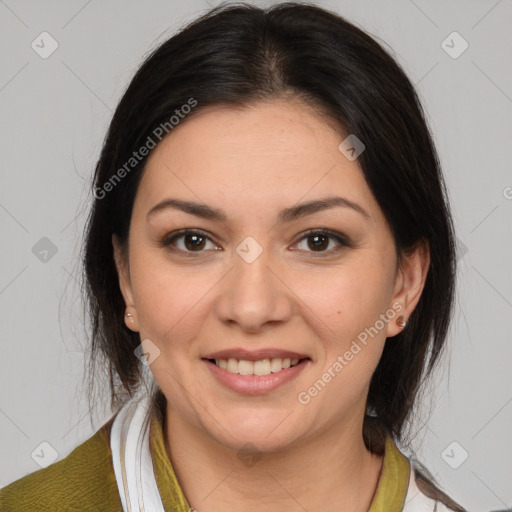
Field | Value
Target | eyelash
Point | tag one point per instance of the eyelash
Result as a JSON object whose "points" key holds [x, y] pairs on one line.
{"points": [[342, 240]]}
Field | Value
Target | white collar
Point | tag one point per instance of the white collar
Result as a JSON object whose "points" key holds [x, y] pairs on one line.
{"points": [[131, 457]]}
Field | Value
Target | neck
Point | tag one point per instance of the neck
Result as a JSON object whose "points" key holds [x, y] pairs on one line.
{"points": [[327, 472]]}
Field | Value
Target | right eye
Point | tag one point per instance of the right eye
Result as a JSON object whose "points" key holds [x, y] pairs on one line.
{"points": [[187, 241]]}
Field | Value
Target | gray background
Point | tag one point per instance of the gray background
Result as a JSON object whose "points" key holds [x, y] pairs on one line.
{"points": [[54, 114]]}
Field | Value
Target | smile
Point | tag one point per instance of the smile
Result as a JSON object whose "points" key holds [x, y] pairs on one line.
{"points": [[260, 368], [255, 377]]}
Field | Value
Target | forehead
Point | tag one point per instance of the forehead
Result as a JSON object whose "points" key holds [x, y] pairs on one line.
{"points": [[281, 129], [259, 156]]}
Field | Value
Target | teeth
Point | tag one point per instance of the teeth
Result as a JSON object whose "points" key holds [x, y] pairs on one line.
{"points": [[262, 367], [245, 367], [276, 365], [232, 365]]}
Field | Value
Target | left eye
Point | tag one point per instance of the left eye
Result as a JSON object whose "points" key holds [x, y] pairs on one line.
{"points": [[196, 241], [320, 239]]}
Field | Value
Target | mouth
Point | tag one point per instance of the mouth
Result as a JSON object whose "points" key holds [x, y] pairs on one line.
{"points": [[256, 376], [260, 368]]}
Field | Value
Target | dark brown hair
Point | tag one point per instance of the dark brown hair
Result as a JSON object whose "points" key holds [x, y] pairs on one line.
{"points": [[236, 55]]}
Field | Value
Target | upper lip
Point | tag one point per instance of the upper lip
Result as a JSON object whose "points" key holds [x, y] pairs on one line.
{"points": [[254, 355]]}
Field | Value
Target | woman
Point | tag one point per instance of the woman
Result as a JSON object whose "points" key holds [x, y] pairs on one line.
{"points": [[271, 246]]}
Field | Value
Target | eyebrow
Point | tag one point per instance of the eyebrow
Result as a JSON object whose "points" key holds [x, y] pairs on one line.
{"points": [[286, 215]]}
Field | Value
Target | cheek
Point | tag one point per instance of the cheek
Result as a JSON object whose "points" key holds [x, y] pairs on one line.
{"points": [[348, 310], [347, 303], [168, 299], [350, 297]]}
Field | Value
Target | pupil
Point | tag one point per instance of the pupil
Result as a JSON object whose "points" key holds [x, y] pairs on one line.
{"points": [[194, 245], [319, 245]]}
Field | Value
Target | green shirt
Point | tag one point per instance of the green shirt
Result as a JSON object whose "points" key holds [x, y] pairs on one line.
{"points": [[85, 480]]}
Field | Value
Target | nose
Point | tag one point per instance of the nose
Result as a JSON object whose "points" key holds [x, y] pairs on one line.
{"points": [[254, 296]]}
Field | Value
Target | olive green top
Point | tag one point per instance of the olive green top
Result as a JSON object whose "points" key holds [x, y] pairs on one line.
{"points": [[85, 480]]}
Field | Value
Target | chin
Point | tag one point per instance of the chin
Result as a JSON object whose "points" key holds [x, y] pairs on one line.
{"points": [[267, 433]]}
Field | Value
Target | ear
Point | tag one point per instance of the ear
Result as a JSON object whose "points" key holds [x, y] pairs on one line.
{"points": [[123, 272], [409, 283]]}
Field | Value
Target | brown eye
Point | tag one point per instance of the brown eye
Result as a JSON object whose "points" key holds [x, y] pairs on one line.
{"points": [[187, 241], [318, 241], [193, 242]]}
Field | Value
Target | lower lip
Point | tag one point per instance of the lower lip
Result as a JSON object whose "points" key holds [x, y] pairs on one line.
{"points": [[255, 384]]}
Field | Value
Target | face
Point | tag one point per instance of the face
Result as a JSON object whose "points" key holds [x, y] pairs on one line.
{"points": [[254, 239]]}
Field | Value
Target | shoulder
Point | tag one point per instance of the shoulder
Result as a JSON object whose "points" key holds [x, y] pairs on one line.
{"points": [[84, 480]]}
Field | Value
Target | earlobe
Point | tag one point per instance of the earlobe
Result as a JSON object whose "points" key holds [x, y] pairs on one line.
{"points": [[131, 321], [409, 284]]}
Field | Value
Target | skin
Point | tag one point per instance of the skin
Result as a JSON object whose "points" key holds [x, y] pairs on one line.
{"points": [[252, 162]]}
